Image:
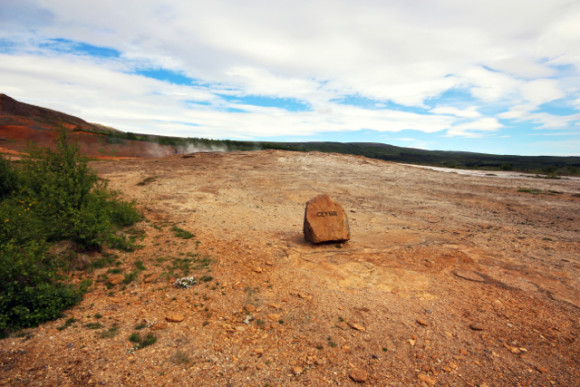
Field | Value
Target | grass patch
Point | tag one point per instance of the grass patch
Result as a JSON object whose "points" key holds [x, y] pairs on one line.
{"points": [[122, 242], [109, 333], [130, 277], [94, 325], [147, 180], [142, 341], [179, 358], [105, 260], [534, 191], [140, 326], [139, 265], [67, 323], [181, 233]]}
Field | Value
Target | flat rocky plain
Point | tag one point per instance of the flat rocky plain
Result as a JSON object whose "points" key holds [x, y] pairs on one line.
{"points": [[448, 280]]}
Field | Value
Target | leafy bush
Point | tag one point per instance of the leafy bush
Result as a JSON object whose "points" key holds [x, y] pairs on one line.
{"points": [[8, 178], [60, 185], [31, 290], [53, 196]]}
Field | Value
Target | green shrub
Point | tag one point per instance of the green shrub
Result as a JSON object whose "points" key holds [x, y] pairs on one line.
{"points": [[52, 196], [31, 289], [8, 178], [19, 221], [120, 213], [59, 183], [121, 242]]}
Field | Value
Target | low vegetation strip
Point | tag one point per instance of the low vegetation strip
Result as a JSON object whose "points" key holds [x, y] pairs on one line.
{"points": [[52, 196], [546, 165]]}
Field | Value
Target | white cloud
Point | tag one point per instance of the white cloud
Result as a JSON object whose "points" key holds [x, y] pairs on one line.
{"points": [[469, 112], [552, 121], [523, 67], [541, 91], [475, 128], [490, 86], [511, 56]]}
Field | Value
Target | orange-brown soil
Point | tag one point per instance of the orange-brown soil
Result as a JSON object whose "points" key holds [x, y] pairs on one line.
{"points": [[448, 280], [23, 125], [21, 133]]}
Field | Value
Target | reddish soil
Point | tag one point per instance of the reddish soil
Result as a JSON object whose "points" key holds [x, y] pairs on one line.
{"points": [[23, 125], [21, 133], [448, 280]]}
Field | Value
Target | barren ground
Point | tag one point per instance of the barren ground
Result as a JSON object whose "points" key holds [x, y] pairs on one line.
{"points": [[448, 280]]}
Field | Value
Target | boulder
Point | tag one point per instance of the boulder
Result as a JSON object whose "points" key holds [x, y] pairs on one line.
{"points": [[325, 221]]}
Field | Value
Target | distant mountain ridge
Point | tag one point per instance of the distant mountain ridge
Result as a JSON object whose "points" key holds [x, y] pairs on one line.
{"points": [[22, 123]]}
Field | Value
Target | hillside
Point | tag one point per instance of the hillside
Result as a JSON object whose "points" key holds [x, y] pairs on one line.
{"points": [[448, 280], [23, 125]]}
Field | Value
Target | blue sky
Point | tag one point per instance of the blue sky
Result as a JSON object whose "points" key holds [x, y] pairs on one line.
{"points": [[491, 76]]}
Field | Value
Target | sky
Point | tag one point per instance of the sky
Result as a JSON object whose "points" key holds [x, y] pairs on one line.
{"points": [[493, 76]]}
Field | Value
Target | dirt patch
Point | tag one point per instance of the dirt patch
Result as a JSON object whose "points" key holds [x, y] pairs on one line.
{"points": [[448, 280]]}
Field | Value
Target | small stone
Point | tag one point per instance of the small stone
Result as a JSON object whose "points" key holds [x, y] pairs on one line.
{"points": [[356, 326], [325, 221], [249, 308], [476, 326], [543, 370], [422, 322], [175, 317], [259, 351], [358, 375], [463, 352], [427, 379], [274, 316], [297, 370], [159, 326], [258, 269], [116, 279]]}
